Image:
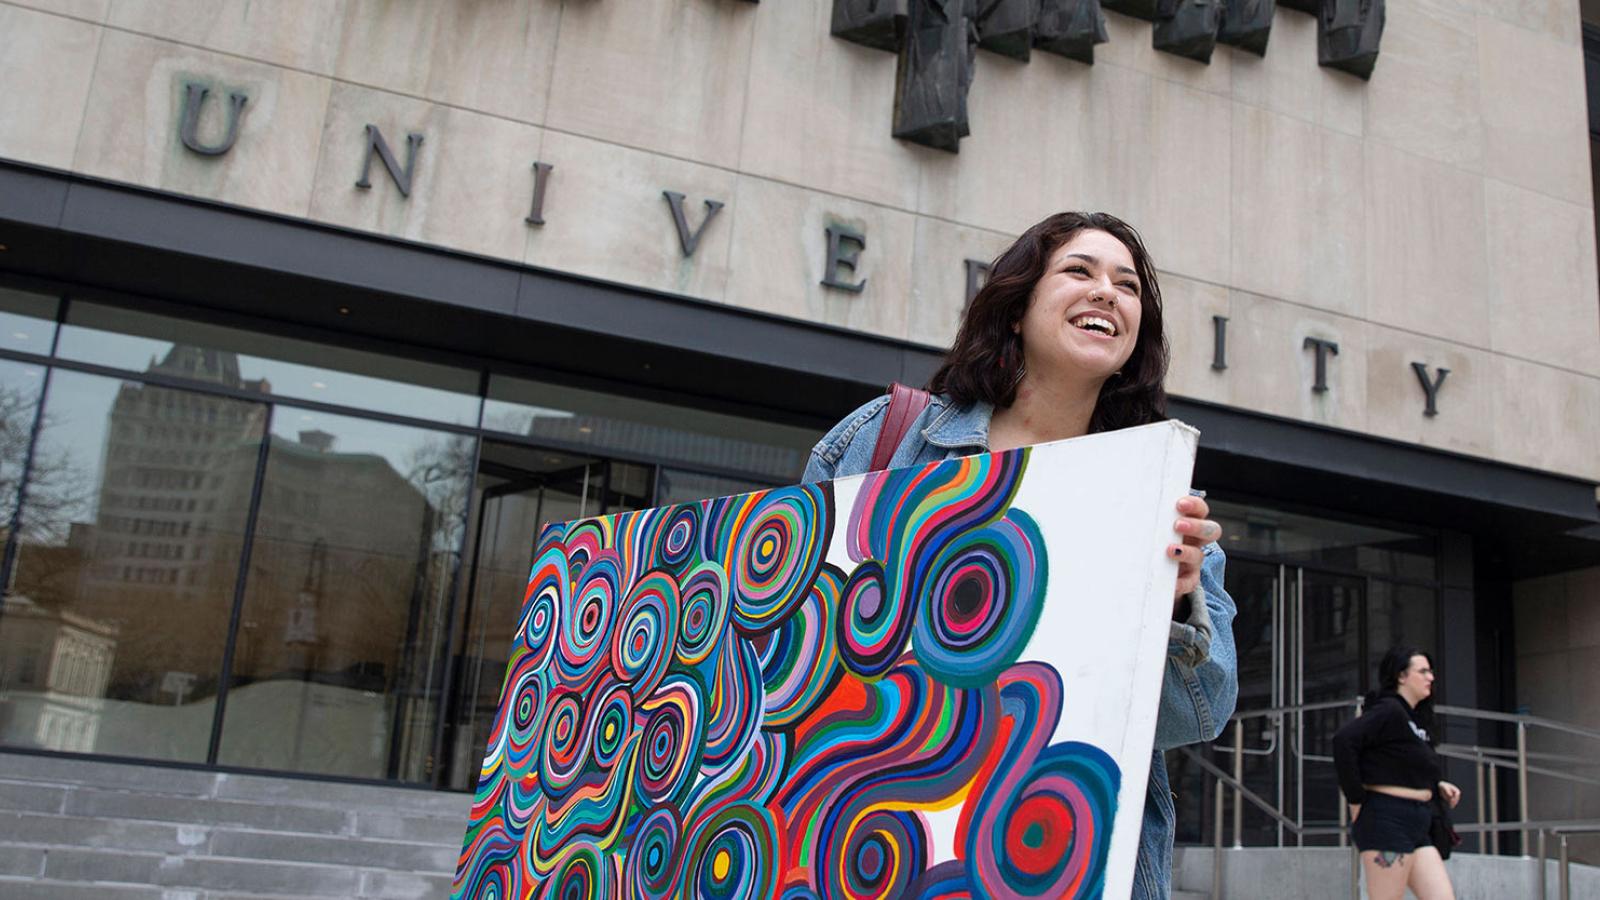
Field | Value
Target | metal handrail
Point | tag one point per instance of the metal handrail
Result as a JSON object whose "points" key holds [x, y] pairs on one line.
{"points": [[1452, 753], [1517, 718], [1292, 708], [1582, 762], [1255, 799], [1551, 825], [1490, 759], [1561, 830]]}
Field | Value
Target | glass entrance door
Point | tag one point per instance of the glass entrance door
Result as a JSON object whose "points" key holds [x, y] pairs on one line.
{"points": [[1328, 665], [1298, 634], [1319, 601], [520, 489]]}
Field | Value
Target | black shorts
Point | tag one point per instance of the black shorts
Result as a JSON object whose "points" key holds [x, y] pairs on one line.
{"points": [[1390, 823]]}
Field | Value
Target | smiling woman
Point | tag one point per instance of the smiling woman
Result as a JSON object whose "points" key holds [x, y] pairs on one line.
{"points": [[1022, 348], [1066, 339]]}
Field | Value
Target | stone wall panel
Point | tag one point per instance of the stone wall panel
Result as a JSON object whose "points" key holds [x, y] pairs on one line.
{"points": [[605, 216], [131, 125], [297, 34], [47, 65], [664, 75], [471, 181], [495, 58]]}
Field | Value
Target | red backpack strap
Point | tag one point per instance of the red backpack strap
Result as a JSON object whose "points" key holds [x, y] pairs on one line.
{"points": [[905, 404]]}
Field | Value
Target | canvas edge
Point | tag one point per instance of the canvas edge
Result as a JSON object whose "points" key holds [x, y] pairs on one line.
{"points": [[1177, 473]]}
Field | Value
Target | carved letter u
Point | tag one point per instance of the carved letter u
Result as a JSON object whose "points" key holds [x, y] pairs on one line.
{"points": [[194, 98]]}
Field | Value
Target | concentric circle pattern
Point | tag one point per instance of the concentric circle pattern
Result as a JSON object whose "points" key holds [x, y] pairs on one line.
{"points": [[982, 602], [697, 703], [770, 543]]}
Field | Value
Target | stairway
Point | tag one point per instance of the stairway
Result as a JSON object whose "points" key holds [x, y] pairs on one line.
{"points": [[1323, 873], [74, 829]]}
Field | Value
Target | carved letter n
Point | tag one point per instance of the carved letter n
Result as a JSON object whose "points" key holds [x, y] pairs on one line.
{"points": [[376, 144]]}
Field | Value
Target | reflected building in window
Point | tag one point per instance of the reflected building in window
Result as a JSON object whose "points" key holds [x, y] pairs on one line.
{"points": [[339, 538], [55, 667], [348, 572], [164, 536]]}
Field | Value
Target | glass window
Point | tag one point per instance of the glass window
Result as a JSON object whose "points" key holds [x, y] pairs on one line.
{"points": [[27, 321], [337, 666], [643, 429], [678, 486], [125, 569], [1402, 614], [1298, 539], [520, 489], [20, 384], [268, 364]]}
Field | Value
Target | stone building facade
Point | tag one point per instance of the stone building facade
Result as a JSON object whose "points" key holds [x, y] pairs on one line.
{"points": [[679, 237]]}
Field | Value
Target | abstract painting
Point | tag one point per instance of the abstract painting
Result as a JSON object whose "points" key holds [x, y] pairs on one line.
{"points": [[931, 682]]}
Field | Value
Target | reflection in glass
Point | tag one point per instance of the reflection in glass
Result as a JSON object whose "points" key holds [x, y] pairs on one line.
{"points": [[1403, 614], [27, 321], [1332, 669], [128, 339], [1305, 633], [337, 666], [678, 486], [115, 621], [19, 401], [1255, 589], [611, 424], [520, 490], [1313, 541]]}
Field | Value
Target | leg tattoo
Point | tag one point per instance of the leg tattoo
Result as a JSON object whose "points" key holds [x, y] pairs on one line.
{"points": [[1387, 858]]}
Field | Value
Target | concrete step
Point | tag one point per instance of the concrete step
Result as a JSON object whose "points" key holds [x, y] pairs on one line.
{"points": [[169, 876], [71, 829], [1323, 873]]}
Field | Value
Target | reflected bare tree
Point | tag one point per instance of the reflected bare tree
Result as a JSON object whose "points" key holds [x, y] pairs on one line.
{"points": [[442, 468], [56, 489], [56, 493]]}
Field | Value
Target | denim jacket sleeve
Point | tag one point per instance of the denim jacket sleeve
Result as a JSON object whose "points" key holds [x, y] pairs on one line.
{"points": [[1201, 683], [857, 430]]}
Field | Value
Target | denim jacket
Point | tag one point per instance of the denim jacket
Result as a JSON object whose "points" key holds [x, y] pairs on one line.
{"points": [[1201, 681]]}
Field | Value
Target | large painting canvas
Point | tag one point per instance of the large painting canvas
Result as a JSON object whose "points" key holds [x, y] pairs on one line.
{"points": [[929, 682]]}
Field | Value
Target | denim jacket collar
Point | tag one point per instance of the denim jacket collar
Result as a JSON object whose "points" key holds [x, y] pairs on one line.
{"points": [[960, 425]]}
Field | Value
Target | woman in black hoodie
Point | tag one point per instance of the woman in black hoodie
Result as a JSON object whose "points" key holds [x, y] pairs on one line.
{"points": [[1389, 772]]}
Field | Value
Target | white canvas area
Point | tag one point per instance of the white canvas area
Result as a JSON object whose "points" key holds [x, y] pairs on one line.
{"points": [[1105, 505]]}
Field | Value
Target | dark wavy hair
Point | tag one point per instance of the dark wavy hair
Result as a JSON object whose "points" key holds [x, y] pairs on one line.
{"points": [[983, 362], [1395, 662]]}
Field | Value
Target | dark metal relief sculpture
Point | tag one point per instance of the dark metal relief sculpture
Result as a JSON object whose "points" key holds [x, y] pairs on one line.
{"points": [[935, 71], [1246, 25], [1348, 32], [936, 39], [1070, 28], [871, 23], [1188, 28], [1006, 26], [1139, 9]]}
